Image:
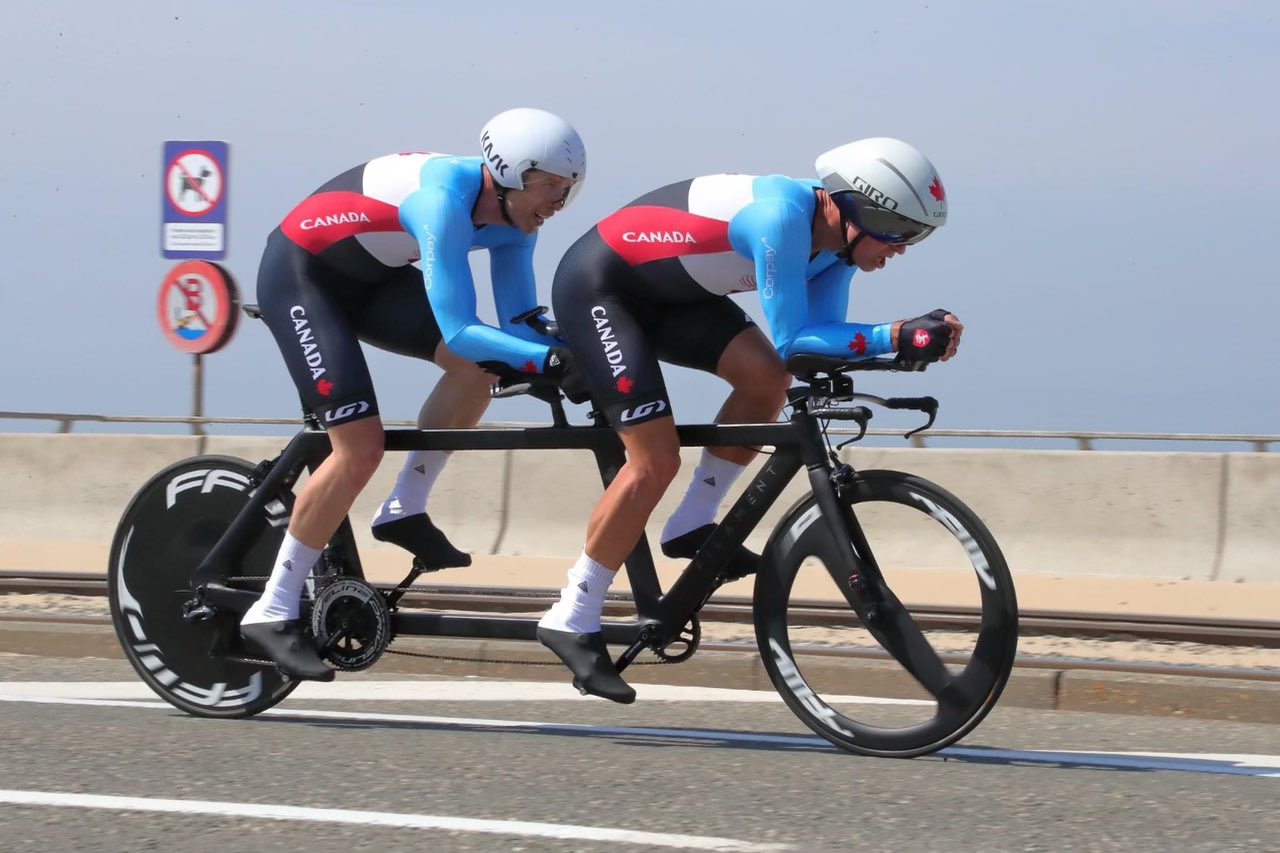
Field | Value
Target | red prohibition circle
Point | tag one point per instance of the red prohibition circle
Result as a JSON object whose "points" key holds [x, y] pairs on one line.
{"points": [[173, 164], [198, 307]]}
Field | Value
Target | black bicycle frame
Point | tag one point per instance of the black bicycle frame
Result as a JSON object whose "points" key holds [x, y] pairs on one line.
{"points": [[797, 443]]}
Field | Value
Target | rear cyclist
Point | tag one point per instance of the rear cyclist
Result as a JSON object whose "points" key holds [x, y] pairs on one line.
{"points": [[652, 282], [379, 254]]}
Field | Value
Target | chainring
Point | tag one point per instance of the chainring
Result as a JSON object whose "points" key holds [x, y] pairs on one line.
{"points": [[687, 643], [351, 623]]}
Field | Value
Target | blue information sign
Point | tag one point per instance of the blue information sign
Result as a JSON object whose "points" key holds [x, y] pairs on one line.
{"points": [[194, 218]]}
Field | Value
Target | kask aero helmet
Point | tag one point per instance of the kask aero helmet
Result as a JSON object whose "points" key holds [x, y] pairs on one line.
{"points": [[517, 140]]}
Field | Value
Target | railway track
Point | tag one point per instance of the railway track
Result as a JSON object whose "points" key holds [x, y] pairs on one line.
{"points": [[1216, 632]]}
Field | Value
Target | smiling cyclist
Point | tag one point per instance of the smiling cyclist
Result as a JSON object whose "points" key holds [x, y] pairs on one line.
{"points": [[379, 254]]}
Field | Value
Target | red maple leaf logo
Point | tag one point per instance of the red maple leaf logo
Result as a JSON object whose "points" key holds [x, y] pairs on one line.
{"points": [[921, 339], [858, 344], [324, 386], [936, 190], [530, 367], [625, 385]]}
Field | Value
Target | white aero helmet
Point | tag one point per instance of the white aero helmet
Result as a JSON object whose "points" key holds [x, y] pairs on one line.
{"points": [[517, 140], [885, 187]]}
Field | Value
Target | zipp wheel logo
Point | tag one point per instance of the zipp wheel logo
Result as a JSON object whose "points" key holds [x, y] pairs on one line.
{"points": [[147, 653], [949, 521], [801, 690]]}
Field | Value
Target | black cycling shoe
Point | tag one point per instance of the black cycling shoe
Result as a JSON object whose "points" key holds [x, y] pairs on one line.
{"points": [[417, 535], [589, 661], [742, 563], [287, 645]]}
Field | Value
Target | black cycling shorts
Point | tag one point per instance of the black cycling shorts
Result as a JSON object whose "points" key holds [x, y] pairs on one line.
{"points": [[319, 317], [619, 328]]}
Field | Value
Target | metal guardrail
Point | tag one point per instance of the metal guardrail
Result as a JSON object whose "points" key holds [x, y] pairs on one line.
{"points": [[1084, 439]]}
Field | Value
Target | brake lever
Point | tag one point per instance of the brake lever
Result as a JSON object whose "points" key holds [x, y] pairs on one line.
{"points": [[926, 405]]}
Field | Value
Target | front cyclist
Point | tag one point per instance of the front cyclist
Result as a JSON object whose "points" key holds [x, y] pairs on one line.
{"points": [[379, 254], [651, 282]]}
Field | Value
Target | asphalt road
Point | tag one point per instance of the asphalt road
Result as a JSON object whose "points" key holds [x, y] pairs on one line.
{"points": [[500, 766]]}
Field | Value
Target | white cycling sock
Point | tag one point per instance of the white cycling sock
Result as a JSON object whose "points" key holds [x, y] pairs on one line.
{"points": [[413, 485], [582, 599], [711, 481], [279, 601]]}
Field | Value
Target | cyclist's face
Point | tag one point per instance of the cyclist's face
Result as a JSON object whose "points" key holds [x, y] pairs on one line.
{"points": [[543, 195], [871, 254]]}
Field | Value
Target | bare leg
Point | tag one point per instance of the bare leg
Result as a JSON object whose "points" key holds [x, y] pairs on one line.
{"points": [[457, 402], [459, 398], [653, 458], [571, 628], [331, 490], [753, 368], [320, 507]]}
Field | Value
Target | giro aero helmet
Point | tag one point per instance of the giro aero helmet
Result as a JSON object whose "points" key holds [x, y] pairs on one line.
{"points": [[517, 140], [887, 188]]}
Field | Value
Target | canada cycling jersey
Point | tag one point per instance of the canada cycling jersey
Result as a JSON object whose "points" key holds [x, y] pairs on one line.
{"points": [[724, 234], [415, 208]]}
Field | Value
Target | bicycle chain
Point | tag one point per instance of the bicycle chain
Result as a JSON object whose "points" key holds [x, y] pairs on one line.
{"points": [[457, 659], [612, 596]]}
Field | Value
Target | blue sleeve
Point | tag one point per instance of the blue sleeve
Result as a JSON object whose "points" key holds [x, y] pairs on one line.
{"points": [[829, 293], [514, 289], [441, 223], [776, 232], [826, 333]]}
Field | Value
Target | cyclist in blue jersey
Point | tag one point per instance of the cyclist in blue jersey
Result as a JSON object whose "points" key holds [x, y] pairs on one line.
{"points": [[650, 282], [379, 254]]}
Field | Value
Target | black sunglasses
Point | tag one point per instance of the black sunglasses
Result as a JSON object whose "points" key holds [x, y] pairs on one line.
{"points": [[883, 224]]}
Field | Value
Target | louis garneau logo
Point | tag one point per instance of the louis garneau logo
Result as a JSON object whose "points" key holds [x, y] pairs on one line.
{"points": [[342, 413], [654, 408]]}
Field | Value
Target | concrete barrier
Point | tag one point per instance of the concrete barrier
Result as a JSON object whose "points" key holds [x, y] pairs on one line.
{"points": [[1195, 516], [1251, 531], [1085, 512], [61, 496]]}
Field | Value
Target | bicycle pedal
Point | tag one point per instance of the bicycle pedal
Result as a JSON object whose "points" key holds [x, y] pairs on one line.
{"points": [[420, 568], [199, 614]]}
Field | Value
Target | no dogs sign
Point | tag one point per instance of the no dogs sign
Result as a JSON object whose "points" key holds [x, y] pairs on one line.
{"points": [[194, 221]]}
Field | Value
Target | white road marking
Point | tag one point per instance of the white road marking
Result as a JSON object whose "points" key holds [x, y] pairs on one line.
{"points": [[1220, 764], [469, 690], [390, 819]]}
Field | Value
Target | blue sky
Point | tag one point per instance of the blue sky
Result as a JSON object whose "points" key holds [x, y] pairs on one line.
{"points": [[1111, 170]]}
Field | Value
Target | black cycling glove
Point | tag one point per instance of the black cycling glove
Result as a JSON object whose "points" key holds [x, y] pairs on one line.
{"points": [[564, 369], [924, 338]]}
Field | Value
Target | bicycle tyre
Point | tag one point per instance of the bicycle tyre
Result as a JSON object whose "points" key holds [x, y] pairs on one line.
{"points": [[167, 529], [977, 687]]}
